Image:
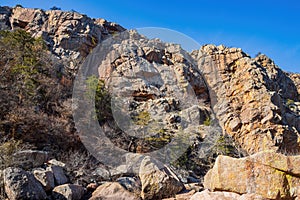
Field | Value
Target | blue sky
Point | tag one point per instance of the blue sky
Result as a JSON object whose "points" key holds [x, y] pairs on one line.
{"points": [[270, 27]]}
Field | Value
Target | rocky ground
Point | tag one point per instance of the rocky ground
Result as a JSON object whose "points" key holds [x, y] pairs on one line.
{"points": [[240, 116]]}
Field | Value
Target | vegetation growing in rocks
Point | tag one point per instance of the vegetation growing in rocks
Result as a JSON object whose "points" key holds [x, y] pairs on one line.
{"points": [[142, 118], [97, 90], [207, 121], [7, 149], [224, 145], [34, 103]]}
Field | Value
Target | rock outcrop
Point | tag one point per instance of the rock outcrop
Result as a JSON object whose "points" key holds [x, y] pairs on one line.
{"points": [[158, 95], [249, 97], [271, 175], [5, 13], [70, 35]]}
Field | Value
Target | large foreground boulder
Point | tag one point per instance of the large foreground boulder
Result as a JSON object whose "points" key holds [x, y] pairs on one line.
{"points": [[20, 184], [271, 175], [158, 181]]}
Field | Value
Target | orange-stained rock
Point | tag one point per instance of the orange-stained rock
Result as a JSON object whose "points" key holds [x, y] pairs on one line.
{"points": [[254, 100], [271, 175]]}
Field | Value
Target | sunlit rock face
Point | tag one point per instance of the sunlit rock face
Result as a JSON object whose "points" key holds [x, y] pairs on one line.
{"points": [[254, 100], [271, 175]]}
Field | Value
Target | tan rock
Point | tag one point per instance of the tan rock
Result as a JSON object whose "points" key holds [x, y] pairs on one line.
{"points": [[157, 181], [268, 174], [112, 190], [68, 192], [30, 158], [182, 196], [224, 196], [46, 178], [70, 35], [248, 98], [92, 186], [296, 79]]}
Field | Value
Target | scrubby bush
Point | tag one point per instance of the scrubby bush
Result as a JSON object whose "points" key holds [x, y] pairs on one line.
{"points": [[96, 89], [32, 103], [200, 157]]}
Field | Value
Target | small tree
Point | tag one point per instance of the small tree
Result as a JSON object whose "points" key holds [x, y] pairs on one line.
{"points": [[55, 8], [102, 98]]}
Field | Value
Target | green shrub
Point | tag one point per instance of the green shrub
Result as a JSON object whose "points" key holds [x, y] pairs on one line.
{"points": [[207, 121], [96, 89], [7, 149], [143, 118]]}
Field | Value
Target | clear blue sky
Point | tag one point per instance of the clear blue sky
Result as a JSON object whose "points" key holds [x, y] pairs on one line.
{"points": [[270, 27]]}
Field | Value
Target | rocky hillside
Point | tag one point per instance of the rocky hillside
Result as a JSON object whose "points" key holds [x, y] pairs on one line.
{"points": [[233, 121]]}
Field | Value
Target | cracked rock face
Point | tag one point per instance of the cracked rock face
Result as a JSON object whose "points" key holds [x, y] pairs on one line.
{"points": [[70, 35], [158, 92], [268, 174], [253, 99], [296, 79]]}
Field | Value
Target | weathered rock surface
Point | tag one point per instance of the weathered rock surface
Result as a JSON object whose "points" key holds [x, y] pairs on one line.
{"points": [[296, 79], [250, 94], [159, 89], [224, 196], [182, 196], [249, 98], [70, 35], [5, 13], [59, 174], [113, 190], [46, 178], [271, 175], [129, 183], [56, 163], [30, 158], [158, 181], [68, 192], [169, 91], [20, 184]]}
